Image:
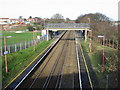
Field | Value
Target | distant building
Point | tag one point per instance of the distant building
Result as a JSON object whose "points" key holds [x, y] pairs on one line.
{"points": [[70, 21], [34, 20], [4, 21], [115, 23], [13, 21]]}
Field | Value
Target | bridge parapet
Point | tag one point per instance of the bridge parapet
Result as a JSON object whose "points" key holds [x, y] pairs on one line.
{"points": [[67, 26]]}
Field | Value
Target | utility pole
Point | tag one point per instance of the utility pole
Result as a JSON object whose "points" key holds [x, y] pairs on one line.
{"points": [[5, 52]]}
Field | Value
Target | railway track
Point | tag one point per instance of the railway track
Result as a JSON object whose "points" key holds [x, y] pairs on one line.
{"points": [[59, 69]]}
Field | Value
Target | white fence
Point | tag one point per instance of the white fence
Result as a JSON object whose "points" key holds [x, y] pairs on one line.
{"points": [[20, 46]]}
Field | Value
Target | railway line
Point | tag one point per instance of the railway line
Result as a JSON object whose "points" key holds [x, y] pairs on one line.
{"points": [[60, 68]]}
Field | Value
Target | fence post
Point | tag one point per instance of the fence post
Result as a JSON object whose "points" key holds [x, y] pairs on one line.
{"points": [[113, 44], [117, 44], [25, 44], [109, 42], [106, 42], [9, 48], [28, 43], [20, 47], [15, 48], [1, 51]]}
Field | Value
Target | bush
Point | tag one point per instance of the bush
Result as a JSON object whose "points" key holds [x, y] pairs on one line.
{"points": [[30, 28]]}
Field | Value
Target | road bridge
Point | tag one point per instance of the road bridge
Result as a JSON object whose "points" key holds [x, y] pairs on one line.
{"points": [[84, 27]]}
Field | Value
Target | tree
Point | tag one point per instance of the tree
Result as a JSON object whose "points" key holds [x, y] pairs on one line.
{"points": [[20, 17], [100, 24], [68, 19], [57, 16], [30, 16], [30, 28]]}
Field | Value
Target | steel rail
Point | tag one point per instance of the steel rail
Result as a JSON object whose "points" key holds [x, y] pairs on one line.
{"points": [[53, 69], [61, 70], [39, 74], [61, 76], [43, 68], [16, 86], [80, 81]]}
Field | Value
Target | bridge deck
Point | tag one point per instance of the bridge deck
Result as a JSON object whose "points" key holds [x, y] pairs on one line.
{"points": [[67, 26]]}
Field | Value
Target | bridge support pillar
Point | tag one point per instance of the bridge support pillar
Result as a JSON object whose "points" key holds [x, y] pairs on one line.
{"points": [[47, 32], [85, 35]]}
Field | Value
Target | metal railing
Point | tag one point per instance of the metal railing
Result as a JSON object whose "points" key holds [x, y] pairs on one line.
{"points": [[67, 25], [19, 46]]}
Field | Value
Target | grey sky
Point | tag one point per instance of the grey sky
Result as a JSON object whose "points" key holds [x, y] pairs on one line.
{"points": [[68, 8]]}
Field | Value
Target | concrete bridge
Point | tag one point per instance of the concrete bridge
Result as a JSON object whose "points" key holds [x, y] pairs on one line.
{"points": [[84, 27]]}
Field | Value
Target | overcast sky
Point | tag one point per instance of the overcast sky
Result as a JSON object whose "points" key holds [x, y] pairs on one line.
{"points": [[68, 8]]}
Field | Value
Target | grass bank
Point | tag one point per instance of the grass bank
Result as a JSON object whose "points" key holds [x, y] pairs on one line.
{"points": [[108, 78], [18, 37], [17, 61]]}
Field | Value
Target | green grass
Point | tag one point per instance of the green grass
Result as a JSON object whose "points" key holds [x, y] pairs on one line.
{"points": [[18, 37], [96, 61], [17, 61]]}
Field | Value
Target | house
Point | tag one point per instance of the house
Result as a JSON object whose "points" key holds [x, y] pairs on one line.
{"points": [[4, 21], [13, 21], [34, 20]]}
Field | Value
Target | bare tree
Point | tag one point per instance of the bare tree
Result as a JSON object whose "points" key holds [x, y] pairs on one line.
{"points": [[100, 24], [57, 16]]}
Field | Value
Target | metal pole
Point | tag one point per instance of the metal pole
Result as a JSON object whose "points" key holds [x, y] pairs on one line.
{"points": [[25, 44], [20, 47], [85, 35], [6, 63], [107, 82], [103, 55], [15, 48], [9, 48], [1, 51], [47, 32], [91, 41], [113, 44]]}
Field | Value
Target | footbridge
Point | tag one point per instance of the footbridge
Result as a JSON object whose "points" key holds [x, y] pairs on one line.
{"points": [[67, 26], [84, 27]]}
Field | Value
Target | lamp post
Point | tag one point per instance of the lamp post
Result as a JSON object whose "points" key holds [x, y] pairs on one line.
{"points": [[103, 55]]}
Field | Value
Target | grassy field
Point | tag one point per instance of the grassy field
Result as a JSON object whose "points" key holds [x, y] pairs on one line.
{"points": [[17, 61], [18, 37], [111, 60]]}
